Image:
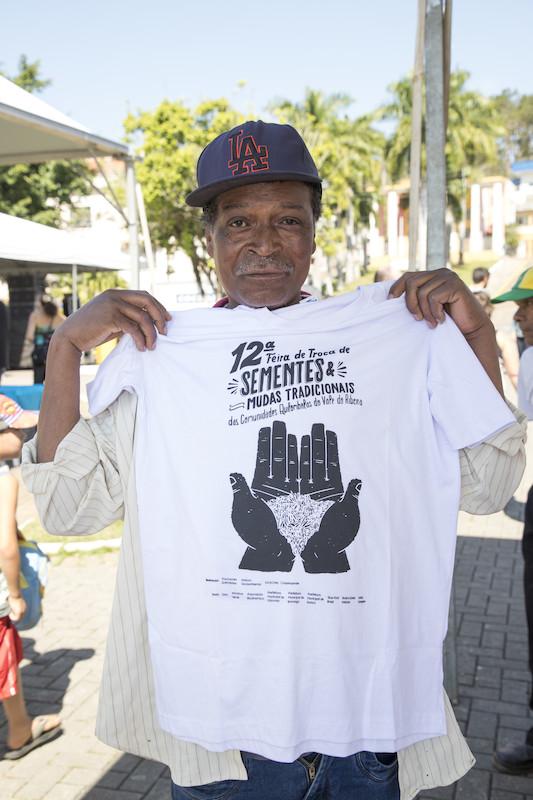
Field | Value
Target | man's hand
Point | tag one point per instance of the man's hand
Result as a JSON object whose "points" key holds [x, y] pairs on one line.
{"points": [[18, 608], [112, 313], [429, 295]]}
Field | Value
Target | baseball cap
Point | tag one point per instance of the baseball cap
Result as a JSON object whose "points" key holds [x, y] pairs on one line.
{"points": [[522, 289], [254, 152], [13, 416]]}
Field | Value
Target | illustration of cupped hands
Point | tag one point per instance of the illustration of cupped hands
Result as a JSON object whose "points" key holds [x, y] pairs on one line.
{"points": [[296, 505]]}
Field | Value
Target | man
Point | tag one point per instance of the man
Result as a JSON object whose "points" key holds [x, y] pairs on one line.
{"points": [[518, 759], [260, 191]]}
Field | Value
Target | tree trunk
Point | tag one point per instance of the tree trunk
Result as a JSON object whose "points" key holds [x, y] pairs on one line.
{"points": [[197, 274]]}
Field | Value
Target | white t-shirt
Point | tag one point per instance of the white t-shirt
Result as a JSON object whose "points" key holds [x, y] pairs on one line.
{"points": [[298, 485], [525, 382]]}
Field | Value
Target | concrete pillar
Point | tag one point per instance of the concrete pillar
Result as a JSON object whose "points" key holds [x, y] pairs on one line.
{"points": [[392, 224], [498, 220], [435, 135], [476, 235]]}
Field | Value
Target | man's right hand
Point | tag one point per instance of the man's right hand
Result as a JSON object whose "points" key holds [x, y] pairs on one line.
{"points": [[112, 313]]}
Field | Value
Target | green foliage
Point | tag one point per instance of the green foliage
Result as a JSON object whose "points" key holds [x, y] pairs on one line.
{"points": [[512, 239], [474, 126], [172, 138], [89, 284], [474, 129], [347, 153], [28, 76], [516, 112], [36, 191]]}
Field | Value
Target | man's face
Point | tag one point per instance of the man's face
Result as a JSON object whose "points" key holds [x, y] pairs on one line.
{"points": [[524, 317], [262, 241]]}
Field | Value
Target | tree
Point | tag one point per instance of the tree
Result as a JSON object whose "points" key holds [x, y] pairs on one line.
{"points": [[474, 126], [89, 284], [37, 191], [348, 155], [516, 112], [474, 130], [172, 138]]}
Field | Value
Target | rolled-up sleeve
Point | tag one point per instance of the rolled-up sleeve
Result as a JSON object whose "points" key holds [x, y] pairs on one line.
{"points": [[491, 471], [80, 491]]}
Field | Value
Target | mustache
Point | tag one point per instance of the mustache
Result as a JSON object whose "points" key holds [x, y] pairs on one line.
{"points": [[253, 264]]}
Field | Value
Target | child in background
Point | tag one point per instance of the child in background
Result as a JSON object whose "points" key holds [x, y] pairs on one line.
{"points": [[24, 733]]}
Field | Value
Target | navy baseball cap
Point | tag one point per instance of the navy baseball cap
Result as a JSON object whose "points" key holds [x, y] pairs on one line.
{"points": [[254, 152]]}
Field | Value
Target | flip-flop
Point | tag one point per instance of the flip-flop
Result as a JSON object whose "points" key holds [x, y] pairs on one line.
{"points": [[39, 736]]}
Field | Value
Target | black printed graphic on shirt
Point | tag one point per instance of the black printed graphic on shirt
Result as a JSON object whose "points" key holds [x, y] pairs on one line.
{"points": [[267, 380], [297, 505]]}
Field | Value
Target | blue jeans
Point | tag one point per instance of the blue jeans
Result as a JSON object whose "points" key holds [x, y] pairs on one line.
{"points": [[363, 776]]}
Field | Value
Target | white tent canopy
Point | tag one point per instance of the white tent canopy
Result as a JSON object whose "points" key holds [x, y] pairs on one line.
{"points": [[32, 131], [27, 246]]}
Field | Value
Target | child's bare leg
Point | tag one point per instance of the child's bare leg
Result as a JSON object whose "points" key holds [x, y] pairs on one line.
{"points": [[18, 720]]}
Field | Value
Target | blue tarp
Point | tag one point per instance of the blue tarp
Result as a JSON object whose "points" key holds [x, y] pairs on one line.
{"points": [[28, 397]]}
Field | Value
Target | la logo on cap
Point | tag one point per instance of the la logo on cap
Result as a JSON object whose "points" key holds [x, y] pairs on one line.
{"points": [[246, 155]]}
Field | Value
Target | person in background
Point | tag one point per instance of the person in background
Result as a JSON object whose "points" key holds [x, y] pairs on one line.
{"points": [[43, 321], [506, 341], [386, 274], [4, 340], [480, 280], [23, 733], [518, 759]]}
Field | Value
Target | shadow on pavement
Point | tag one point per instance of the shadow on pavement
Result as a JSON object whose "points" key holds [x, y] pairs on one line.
{"points": [[133, 778], [45, 680]]}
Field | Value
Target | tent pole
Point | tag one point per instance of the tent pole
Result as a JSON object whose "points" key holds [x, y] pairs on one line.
{"points": [[148, 249], [75, 303], [132, 223]]}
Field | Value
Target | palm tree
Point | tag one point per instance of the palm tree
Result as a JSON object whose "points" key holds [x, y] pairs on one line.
{"points": [[474, 130], [348, 154]]}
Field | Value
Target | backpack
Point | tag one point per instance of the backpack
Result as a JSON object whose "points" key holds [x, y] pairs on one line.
{"points": [[33, 579], [41, 345]]}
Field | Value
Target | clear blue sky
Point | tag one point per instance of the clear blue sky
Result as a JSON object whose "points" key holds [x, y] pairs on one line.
{"points": [[107, 57]]}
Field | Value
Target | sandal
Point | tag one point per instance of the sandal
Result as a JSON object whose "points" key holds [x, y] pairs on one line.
{"points": [[39, 736]]}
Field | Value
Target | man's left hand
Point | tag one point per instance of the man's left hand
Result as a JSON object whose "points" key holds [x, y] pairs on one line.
{"points": [[431, 293]]}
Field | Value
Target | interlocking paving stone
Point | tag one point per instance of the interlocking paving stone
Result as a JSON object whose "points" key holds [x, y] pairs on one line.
{"points": [[513, 783], [482, 723], [160, 790], [440, 793], [474, 785], [111, 794], [143, 777], [111, 779]]}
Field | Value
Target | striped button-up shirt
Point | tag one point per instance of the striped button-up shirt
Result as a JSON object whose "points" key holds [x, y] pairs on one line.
{"points": [[91, 483]]}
